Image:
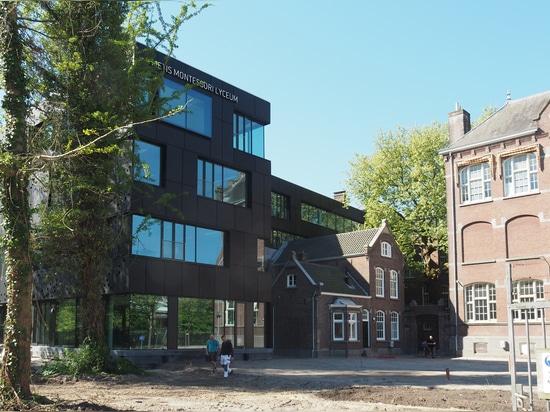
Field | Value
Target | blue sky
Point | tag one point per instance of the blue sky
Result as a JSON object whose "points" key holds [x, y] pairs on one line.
{"points": [[337, 73]]}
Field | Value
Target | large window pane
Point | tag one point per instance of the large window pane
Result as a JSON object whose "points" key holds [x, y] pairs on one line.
{"points": [[147, 167], [197, 113], [199, 117], [146, 236], [209, 246]]}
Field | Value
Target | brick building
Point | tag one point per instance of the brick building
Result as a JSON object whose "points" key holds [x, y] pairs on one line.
{"points": [[498, 192], [339, 295]]}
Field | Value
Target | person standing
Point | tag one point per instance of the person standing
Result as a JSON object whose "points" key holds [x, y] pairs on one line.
{"points": [[431, 345], [212, 347], [226, 356]]}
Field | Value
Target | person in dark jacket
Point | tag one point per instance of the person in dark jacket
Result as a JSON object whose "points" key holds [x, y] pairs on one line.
{"points": [[226, 356]]}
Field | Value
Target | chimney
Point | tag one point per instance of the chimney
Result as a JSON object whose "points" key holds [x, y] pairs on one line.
{"points": [[459, 124], [340, 196]]}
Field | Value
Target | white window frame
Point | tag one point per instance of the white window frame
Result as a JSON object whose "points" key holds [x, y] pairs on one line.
{"points": [[520, 175], [528, 290], [379, 284], [352, 326], [394, 284], [481, 302], [386, 249], [380, 326], [229, 313], [291, 280], [475, 183], [394, 325], [338, 326]]}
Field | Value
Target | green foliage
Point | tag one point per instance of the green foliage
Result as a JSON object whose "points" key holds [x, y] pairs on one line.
{"points": [[89, 358], [404, 183]]}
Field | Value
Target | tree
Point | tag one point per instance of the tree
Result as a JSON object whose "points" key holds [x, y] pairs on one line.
{"points": [[81, 130], [403, 181], [16, 240]]}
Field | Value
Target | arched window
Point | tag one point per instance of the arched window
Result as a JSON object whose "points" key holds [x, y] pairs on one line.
{"points": [[521, 174], [379, 282], [380, 325], [394, 284], [475, 183], [386, 249]]}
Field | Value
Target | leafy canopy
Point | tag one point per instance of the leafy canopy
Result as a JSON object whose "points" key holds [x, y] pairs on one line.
{"points": [[403, 181]]}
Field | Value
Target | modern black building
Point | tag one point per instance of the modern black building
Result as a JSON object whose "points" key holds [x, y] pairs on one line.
{"points": [[205, 215]]}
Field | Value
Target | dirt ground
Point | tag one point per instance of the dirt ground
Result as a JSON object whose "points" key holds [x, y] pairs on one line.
{"points": [[193, 387]]}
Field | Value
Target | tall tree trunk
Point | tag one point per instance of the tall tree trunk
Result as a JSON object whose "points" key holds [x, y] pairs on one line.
{"points": [[15, 374]]}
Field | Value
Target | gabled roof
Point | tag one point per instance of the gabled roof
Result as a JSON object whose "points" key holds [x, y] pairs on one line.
{"points": [[330, 246], [516, 118], [334, 279]]}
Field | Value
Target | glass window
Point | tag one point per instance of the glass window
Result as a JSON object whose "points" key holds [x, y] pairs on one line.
{"points": [[147, 163], [380, 325], [209, 246], [528, 291], [352, 326], [229, 313], [248, 136], [280, 206], [394, 284], [291, 281], [379, 282], [481, 303], [475, 183], [338, 326], [324, 218], [386, 249], [394, 324], [221, 183], [156, 238], [520, 174], [146, 234], [197, 113]]}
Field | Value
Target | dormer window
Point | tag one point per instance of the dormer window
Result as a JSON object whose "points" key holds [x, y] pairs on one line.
{"points": [[386, 249], [291, 281]]}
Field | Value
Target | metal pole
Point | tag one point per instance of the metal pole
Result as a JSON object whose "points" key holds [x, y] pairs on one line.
{"points": [[512, 360], [529, 377]]}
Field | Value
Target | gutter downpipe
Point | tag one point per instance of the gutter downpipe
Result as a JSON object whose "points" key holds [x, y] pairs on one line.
{"points": [[455, 262], [313, 324]]}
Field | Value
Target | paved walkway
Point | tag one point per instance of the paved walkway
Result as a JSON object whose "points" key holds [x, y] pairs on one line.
{"points": [[401, 371]]}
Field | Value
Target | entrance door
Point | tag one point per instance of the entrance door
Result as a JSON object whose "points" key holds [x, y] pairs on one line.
{"points": [[366, 329]]}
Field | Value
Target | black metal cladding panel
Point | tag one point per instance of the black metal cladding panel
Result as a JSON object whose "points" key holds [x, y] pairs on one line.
{"points": [[264, 287], [173, 282], [206, 212], [251, 285], [174, 163], [191, 281], [207, 282], [237, 249], [154, 281], [243, 219], [236, 287], [137, 274], [189, 204]]}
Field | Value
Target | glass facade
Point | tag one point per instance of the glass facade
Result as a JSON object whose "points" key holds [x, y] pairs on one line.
{"points": [[147, 163], [221, 183], [248, 136], [194, 108], [161, 238], [324, 218]]}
